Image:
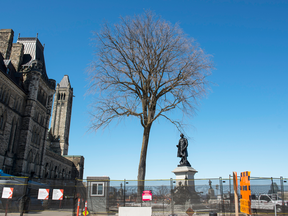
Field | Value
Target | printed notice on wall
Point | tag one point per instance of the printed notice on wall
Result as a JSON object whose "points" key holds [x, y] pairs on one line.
{"points": [[7, 193], [57, 194], [43, 194]]}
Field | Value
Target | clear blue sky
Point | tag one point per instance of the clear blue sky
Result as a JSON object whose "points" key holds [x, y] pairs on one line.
{"points": [[241, 125]]}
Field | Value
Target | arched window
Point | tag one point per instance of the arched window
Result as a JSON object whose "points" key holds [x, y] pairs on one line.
{"points": [[19, 108], [51, 174], [16, 104], [55, 172], [64, 96], [30, 165], [35, 116], [4, 96], [46, 171], [58, 97], [36, 137], [30, 157], [32, 137], [63, 174], [3, 117], [37, 164], [7, 98], [37, 161], [45, 99], [40, 95], [59, 172], [1, 90], [39, 137], [1, 120], [12, 135]]}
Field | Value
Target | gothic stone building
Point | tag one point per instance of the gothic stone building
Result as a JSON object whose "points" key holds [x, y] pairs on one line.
{"points": [[27, 147]]}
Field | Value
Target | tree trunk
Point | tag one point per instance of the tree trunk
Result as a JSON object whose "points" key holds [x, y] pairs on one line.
{"points": [[142, 163]]}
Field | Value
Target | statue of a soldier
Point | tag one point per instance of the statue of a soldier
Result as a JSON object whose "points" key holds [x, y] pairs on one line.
{"points": [[182, 151]]}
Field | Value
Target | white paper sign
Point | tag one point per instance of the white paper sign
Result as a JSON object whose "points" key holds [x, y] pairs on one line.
{"points": [[43, 194], [57, 194], [7, 193], [147, 195]]}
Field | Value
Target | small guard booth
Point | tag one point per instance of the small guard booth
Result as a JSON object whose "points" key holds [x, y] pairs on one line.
{"points": [[97, 194]]}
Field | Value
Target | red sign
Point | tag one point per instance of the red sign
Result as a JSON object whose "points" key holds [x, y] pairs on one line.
{"points": [[190, 211], [147, 195]]}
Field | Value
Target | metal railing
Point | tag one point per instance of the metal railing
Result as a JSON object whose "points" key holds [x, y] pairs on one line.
{"points": [[27, 196]]}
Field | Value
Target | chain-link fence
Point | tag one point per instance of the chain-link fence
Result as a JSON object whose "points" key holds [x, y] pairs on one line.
{"points": [[100, 195]]}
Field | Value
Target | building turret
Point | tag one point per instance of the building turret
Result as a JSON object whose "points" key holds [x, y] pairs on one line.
{"points": [[61, 115]]}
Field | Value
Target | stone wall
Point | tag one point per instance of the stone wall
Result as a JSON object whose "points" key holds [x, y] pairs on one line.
{"points": [[6, 40], [11, 102], [58, 164], [78, 162], [25, 111], [17, 55]]}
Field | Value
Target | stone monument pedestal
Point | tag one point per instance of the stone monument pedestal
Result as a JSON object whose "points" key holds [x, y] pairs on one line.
{"points": [[185, 175], [211, 193]]}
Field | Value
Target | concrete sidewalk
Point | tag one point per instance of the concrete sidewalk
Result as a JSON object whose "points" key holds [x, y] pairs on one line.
{"points": [[41, 213]]}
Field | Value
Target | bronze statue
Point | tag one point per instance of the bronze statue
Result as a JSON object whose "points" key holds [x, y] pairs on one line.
{"points": [[182, 151], [210, 184]]}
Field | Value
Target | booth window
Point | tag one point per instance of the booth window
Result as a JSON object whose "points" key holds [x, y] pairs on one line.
{"points": [[97, 189]]}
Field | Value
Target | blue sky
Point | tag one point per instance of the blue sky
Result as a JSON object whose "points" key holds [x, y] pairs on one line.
{"points": [[241, 125]]}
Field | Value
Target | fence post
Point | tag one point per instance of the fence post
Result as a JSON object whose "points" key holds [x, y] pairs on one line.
{"points": [[221, 192], [124, 192], [282, 194], [172, 195], [23, 200], [6, 209], [230, 197], [75, 197]]}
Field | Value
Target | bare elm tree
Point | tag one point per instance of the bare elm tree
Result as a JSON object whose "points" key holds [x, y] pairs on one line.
{"points": [[146, 67]]}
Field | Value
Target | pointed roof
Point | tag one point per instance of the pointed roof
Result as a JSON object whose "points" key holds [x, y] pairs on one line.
{"points": [[33, 50], [65, 82]]}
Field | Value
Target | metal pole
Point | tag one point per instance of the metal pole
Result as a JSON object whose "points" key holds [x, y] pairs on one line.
{"points": [[172, 194], [221, 191], [6, 210], [272, 185], [163, 205], [24, 197], [230, 198], [75, 197], [282, 194], [124, 191]]}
